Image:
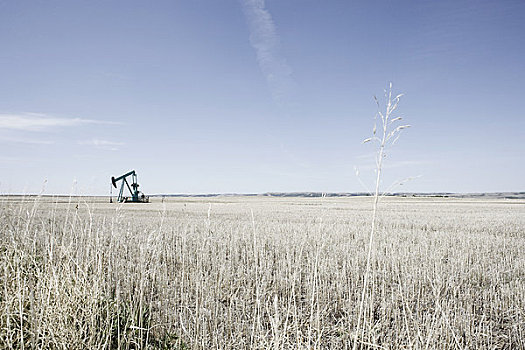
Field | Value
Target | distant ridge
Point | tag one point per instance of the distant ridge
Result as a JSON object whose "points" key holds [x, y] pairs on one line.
{"points": [[488, 195]]}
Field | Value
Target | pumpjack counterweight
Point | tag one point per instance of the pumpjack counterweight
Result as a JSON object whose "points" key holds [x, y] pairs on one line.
{"points": [[133, 188]]}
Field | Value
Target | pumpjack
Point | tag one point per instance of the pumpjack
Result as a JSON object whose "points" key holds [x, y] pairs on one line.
{"points": [[136, 195]]}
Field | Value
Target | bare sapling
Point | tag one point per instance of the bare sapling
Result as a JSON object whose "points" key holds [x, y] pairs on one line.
{"points": [[387, 137]]}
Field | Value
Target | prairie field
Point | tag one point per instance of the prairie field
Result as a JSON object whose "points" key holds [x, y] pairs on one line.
{"points": [[261, 273]]}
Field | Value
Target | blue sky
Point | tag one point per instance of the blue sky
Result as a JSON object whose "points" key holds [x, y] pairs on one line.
{"points": [[253, 96]]}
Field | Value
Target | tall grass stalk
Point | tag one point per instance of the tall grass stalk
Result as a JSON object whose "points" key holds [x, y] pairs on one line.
{"points": [[389, 135]]}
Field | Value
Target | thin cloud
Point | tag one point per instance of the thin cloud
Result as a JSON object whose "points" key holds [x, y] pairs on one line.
{"points": [[26, 141], [103, 144], [4, 159], [265, 40], [42, 122]]}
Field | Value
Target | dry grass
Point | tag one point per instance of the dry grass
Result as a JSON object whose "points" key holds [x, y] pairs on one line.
{"points": [[446, 274]]}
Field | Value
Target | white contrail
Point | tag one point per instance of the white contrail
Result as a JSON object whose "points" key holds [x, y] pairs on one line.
{"points": [[265, 40]]}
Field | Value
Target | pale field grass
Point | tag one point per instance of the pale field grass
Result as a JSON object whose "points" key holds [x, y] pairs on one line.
{"points": [[261, 273]]}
